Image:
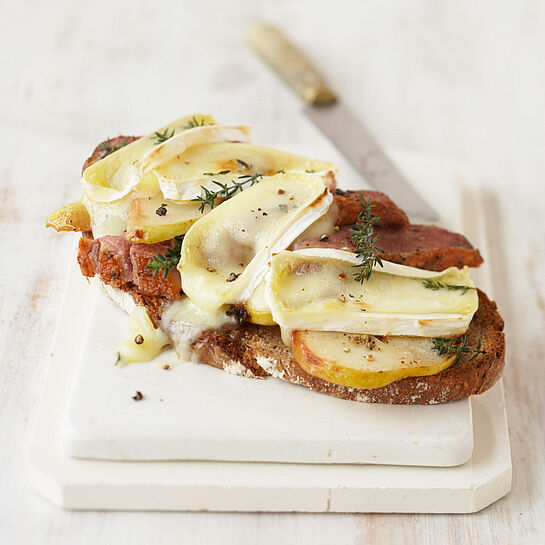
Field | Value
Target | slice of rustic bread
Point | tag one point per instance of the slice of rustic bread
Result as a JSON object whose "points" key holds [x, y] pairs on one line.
{"points": [[260, 350]]}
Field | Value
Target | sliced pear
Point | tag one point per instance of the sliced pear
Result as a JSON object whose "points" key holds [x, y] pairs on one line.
{"points": [[315, 289], [116, 175], [366, 361], [183, 177], [154, 219], [226, 254], [70, 217], [257, 306]]}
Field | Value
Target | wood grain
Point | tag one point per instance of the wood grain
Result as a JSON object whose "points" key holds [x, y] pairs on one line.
{"points": [[461, 79]]}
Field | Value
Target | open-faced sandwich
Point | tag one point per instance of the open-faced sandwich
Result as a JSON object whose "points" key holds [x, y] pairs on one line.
{"points": [[250, 259]]}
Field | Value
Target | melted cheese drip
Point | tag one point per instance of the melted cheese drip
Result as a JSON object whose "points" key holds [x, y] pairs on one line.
{"points": [[145, 342]]}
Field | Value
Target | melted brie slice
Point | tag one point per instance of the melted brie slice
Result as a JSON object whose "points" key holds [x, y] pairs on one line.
{"points": [[314, 289], [227, 252], [119, 173], [185, 176]]}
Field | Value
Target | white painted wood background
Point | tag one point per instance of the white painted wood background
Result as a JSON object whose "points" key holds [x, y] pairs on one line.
{"points": [[463, 79]]}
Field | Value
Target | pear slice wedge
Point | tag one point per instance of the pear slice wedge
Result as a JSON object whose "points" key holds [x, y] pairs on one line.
{"points": [[366, 361], [154, 219]]}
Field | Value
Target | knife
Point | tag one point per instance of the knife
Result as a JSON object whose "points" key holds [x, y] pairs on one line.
{"points": [[335, 120]]}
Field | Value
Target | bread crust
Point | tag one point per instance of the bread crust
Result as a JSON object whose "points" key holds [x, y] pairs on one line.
{"points": [[261, 350]]}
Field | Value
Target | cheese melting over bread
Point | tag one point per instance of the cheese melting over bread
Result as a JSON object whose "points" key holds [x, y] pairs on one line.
{"points": [[315, 289], [226, 254], [184, 321]]}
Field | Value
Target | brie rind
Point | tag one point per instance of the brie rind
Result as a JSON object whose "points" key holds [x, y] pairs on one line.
{"points": [[185, 179], [226, 253], [116, 175], [315, 289]]}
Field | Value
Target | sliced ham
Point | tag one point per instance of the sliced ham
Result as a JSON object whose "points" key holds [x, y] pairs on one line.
{"points": [[124, 265], [145, 280]]}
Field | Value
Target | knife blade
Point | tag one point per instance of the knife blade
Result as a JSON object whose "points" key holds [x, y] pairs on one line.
{"points": [[336, 121]]}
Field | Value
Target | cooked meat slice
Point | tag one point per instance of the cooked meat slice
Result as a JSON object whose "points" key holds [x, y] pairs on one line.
{"points": [[422, 246], [349, 206], [148, 283], [427, 247], [113, 259], [108, 257], [88, 256], [123, 265], [108, 146]]}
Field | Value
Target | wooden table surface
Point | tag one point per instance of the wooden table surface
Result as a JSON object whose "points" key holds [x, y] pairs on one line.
{"points": [[460, 79]]}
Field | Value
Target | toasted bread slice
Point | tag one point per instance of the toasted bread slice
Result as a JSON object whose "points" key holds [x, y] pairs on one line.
{"points": [[260, 350]]}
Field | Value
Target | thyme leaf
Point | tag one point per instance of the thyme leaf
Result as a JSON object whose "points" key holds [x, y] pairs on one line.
{"points": [[436, 285], [365, 241], [220, 173], [226, 190], [243, 163], [194, 122], [161, 137], [456, 345], [109, 147], [163, 262]]}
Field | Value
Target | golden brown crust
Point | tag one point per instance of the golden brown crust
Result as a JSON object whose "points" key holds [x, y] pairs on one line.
{"points": [[228, 347], [259, 347]]}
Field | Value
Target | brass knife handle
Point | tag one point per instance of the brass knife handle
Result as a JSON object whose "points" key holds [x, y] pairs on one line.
{"points": [[290, 63]]}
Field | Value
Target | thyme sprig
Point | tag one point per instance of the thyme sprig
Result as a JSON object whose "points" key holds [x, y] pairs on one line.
{"points": [[456, 345], [436, 285], [226, 190], [365, 241], [109, 147], [161, 137], [194, 122], [163, 262]]}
